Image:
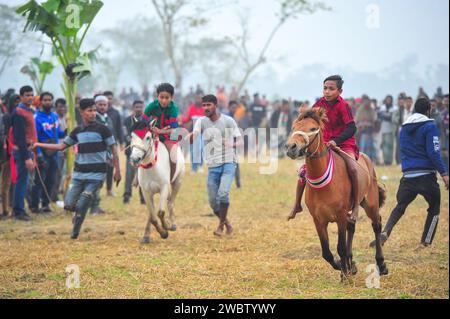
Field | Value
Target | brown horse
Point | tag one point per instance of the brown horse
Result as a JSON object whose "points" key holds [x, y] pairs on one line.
{"points": [[329, 199]]}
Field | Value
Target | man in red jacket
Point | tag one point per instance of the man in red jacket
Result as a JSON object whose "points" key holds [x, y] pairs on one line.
{"points": [[195, 112]]}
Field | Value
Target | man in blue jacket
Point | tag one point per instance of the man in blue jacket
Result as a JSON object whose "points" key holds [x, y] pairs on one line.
{"points": [[48, 131], [421, 159]]}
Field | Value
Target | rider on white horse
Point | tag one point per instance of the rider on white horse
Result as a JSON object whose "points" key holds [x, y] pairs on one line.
{"points": [[154, 177]]}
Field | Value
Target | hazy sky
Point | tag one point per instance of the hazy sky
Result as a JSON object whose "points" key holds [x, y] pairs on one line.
{"points": [[339, 38]]}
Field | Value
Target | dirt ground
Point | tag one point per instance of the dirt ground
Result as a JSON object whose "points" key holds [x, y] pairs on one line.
{"points": [[268, 257]]}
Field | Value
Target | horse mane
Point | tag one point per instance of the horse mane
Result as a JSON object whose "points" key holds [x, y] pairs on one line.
{"points": [[139, 126], [317, 115]]}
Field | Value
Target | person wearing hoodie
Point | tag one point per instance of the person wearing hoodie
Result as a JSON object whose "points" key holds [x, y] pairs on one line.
{"points": [[48, 131], [421, 159]]}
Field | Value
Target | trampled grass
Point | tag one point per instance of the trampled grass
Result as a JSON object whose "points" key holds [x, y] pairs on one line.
{"points": [[266, 258]]}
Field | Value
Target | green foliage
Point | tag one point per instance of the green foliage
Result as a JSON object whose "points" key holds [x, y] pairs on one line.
{"points": [[38, 71], [62, 21], [65, 23]]}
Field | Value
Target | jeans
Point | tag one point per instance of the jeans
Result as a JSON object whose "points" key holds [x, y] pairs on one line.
{"points": [[366, 143], [21, 184], [49, 170], [220, 180], [78, 200], [388, 148], [130, 174], [58, 186], [197, 154], [109, 177]]}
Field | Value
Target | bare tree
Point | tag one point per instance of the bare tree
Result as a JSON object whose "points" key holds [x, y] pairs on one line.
{"points": [[289, 10], [216, 61], [178, 18], [10, 26], [138, 38]]}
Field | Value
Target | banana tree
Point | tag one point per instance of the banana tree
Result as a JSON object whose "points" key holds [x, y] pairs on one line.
{"points": [[38, 71], [66, 23]]}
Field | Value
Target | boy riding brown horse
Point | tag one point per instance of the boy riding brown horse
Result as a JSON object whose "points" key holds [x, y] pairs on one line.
{"points": [[328, 181], [339, 134]]}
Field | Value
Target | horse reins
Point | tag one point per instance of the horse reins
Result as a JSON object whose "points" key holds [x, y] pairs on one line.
{"points": [[309, 142], [316, 135], [146, 152]]}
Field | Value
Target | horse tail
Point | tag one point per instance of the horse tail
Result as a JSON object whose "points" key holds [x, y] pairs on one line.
{"points": [[382, 196]]}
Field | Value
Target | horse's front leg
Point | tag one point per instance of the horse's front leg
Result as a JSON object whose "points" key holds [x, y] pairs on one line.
{"points": [[162, 205], [342, 248], [350, 234], [151, 211], [322, 231]]}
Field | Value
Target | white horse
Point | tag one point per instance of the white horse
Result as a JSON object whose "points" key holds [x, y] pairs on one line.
{"points": [[152, 158]]}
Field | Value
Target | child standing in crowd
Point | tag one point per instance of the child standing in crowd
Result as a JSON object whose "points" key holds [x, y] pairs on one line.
{"points": [[165, 112], [93, 140]]}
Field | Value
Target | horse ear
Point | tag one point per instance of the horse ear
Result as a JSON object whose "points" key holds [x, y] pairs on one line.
{"points": [[320, 111]]}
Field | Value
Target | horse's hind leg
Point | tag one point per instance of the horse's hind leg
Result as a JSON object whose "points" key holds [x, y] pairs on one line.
{"points": [[350, 234], [373, 212], [377, 226], [322, 231], [171, 202]]}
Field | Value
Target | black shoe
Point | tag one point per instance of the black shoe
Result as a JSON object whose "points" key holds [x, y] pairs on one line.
{"points": [[46, 210], [126, 200], [74, 236], [143, 202], [22, 217]]}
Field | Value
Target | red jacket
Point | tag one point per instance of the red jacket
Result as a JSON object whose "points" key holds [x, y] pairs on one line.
{"points": [[194, 113], [339, 116]]}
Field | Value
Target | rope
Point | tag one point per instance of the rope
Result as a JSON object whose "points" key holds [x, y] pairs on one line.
{"points": [[52, 205]]}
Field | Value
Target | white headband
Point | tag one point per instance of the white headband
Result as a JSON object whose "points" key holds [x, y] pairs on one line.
{"points": [[101, 98]]}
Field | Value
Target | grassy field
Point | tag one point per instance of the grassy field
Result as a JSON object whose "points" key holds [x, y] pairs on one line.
{"points": [[266, 258]]}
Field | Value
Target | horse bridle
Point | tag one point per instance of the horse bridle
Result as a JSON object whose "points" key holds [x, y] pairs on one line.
{"points": [[146, 152], [309, 142]]}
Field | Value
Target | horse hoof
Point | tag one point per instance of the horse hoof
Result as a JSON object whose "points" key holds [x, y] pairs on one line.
{"points": [[384, 271], [354, 269], [346, 279], [165, 235], [173, 228], [337, 265], [145, 241]]}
